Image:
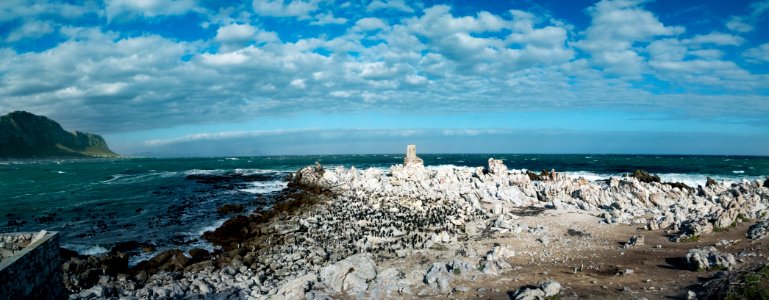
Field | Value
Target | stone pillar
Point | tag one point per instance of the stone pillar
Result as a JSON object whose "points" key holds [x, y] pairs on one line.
{"points": [[411, 158]]}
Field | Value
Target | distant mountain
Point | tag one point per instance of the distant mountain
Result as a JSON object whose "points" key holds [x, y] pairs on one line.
{"points": [[25, 135]]}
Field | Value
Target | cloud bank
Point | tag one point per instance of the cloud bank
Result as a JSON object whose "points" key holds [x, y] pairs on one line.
{"points": [[122, 66]]}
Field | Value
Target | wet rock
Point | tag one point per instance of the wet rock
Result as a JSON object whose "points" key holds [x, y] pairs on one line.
{"points": [[645, 177], [168, 261], [198, 254], [83, 272], [229, 209]]}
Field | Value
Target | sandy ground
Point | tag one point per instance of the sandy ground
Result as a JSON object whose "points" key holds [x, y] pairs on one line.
{"points": [[590, 267]]}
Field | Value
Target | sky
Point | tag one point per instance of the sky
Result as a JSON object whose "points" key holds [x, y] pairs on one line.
{"points": [[266, 77]]}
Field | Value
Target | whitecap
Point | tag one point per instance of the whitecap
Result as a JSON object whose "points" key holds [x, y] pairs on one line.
{"points": [[265, 187], [738, 172], [448, 166], [587, 175], [87, 249]]}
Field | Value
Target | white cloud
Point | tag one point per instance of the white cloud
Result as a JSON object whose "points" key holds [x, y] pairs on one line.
{"points": [[149, 8], [288, 8], [29, 9], [235, 33], [30, 29], [298, 83], [437, 60], [396, 5], [738, 24], [328, 18], [614, 31], [368, 24], [718, 38], [758, 54], [747, 23]]}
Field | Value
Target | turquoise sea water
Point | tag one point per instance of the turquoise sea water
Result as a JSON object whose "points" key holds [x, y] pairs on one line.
{"points": [[169, 202]]}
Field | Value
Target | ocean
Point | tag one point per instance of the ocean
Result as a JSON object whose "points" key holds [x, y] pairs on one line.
{"points": [[169, 202]]}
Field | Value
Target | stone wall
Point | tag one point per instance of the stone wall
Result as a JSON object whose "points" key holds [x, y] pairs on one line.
{"points": [[35, 271]]}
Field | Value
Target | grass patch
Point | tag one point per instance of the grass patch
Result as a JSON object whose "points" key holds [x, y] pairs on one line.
{"points": [[457, 271], [691, 239]]}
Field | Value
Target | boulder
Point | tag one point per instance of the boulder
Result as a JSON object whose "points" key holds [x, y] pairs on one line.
{"points": [[644, 176], [351, 274], [497, 167], [546, 289], [438, 278], [389, 284], [296, 288], [758, 230], [708, 258], [636, 240]]}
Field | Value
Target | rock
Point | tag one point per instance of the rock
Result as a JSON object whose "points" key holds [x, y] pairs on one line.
{"points": [[389, 284], [644, 176], [758, 230], [198, 254], [766, 183], [693, 229], [437, 278], [497, 166], [169, 261], [547, 289], [230, 209], [350, 274], [530, 294], [708, 258], [636, 240], [296, 288], [710, 182], [551, 288]]}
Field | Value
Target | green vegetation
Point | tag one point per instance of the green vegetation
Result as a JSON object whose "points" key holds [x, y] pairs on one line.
{"points": [[25, 135], [749, 285], [457, 271], [691, 239]]}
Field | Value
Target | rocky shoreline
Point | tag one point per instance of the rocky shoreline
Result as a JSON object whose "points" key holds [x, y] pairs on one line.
{"points": [[414, 232]]}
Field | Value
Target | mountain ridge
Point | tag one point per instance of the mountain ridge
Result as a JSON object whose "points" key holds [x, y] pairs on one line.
{"points": [[26, 135]]}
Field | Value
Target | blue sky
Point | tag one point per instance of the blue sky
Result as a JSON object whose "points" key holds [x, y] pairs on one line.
{"points": [[204, 77]]}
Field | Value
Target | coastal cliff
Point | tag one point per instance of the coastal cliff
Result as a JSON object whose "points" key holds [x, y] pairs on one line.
{"points": [[25, 135]]}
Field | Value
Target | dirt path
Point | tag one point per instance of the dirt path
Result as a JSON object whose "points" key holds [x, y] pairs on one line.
{"points": [[591, 267]]}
